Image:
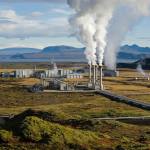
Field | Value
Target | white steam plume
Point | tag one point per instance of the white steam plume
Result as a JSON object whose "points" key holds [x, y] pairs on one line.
{"points": [[124, 19], [85, 33], [84, 25], [95, 30], [140, 70], [91, 21], [104, 14]]}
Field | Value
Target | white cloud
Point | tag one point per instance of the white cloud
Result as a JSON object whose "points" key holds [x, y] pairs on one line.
{"points": [[36, 14], [13, 25], [60, 11], [50, 1]]}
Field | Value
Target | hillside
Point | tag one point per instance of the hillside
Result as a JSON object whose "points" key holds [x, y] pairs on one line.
{"points": [[127, 53], [56, 52], [18, 50], [145, 64]]}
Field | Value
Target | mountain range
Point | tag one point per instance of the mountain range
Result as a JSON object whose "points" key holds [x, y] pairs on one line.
{"points": [[126, 53]]}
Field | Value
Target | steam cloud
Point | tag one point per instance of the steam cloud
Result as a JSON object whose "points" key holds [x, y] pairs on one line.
{"points": [[101, 25], [124, 19], [140, 70]]}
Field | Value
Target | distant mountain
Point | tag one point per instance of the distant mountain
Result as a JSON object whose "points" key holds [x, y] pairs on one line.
{"points": [[55, 52], [135, 49], [144, 62], [62, 49], [126, 53], [18, 50], [133, 52]]}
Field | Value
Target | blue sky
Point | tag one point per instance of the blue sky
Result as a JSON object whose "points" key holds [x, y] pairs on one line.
{"points": [[40, 24]]}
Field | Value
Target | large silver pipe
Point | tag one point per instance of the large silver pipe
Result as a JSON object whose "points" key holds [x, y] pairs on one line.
{"points": [[101, 77]]}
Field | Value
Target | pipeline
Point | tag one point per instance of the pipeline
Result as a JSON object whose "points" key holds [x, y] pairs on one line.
{"points": [[123, 99]]}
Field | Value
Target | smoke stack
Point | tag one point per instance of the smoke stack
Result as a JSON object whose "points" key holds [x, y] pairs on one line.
{"points": [[90, 73], [94, 73], [96, 67], [101, 77]]}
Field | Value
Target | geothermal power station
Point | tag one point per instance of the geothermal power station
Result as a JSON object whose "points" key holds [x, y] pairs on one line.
{"points": [[85, 78]]}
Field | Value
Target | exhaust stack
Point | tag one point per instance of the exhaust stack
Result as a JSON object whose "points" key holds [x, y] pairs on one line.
{"points": [[96, 67], [101, 77], [94, 73], [90, 73]]}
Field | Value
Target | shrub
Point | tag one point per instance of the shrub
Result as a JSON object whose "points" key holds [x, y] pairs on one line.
{"points": [[58, 136], [119, 147], [110, 113], [5, 136]]}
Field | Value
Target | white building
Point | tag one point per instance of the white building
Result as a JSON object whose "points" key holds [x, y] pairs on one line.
{"points": [[51, 73], [74, 76], [24, 73], [64, 72]]}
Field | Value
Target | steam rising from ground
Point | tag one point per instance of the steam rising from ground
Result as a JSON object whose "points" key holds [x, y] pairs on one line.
{"points": [[124, 19], [101, 25], [140, 70]]}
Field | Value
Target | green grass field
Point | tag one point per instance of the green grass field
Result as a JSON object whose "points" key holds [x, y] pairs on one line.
{"points": [[15, 98], [70, 117], [126, 85]]}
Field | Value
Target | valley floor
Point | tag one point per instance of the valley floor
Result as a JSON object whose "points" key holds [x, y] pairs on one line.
{"points": [[73, 113]]}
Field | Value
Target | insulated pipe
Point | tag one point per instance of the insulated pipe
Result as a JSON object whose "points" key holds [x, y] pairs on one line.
{"points": [[101, 77]]}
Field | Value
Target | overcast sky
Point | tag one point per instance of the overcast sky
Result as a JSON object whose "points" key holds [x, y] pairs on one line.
{"points": [[41, 23]]}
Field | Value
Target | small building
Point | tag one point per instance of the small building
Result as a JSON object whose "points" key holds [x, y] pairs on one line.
{"points": [[110, 73], [39, 74], [74, 76], [66, 87], [51, 73], [55, 84], [64, 72], [7, 74]]}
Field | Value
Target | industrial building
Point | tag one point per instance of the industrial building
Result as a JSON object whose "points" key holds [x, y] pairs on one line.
{"points": [[57, 84], [24, 73], [74, 76], [110, 73], [55, 78], [7, 74]]}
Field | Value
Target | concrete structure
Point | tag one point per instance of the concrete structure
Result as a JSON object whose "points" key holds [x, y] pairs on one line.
{"points": [[39, 74], [55, 84], [101, 78], [74, 76], [7, 74], [51, 73], [110, 73], [24, 73], [64, 72]]}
